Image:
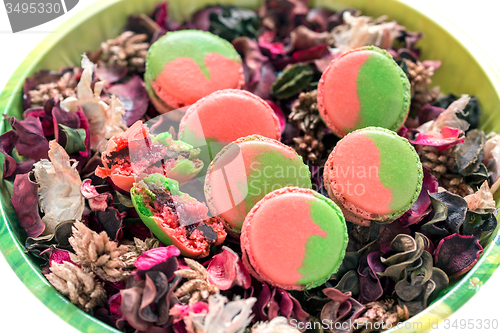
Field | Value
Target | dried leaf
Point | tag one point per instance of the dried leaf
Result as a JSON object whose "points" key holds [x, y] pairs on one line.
{"points": [[469, 155], [449, 213], [292, 81]]}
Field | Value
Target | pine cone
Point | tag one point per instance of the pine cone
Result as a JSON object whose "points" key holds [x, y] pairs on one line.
{"points": [[80, 286], [438, 162], [134, 251], [385, 313], [128, 50], [97, 253], [63, 88], [441, 165], [428, 97], [305, 112], [420, 76], [455, 184], [197, 287], [310, 147]]}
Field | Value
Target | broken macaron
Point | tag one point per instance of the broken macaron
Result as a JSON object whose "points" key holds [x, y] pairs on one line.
{"points": [[294, 239], [184, 66], [136, 153], [373, 174], [245, 171], [361, 88], [176, 218]]}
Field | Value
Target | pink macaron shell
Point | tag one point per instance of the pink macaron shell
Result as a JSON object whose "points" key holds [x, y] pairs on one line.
{"points": [[222, 123], [248, 259]]}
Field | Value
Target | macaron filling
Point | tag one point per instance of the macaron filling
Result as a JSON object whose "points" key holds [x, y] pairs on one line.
{"points": [[363, 87], [294, 238], [136, 154], [175, 217]]}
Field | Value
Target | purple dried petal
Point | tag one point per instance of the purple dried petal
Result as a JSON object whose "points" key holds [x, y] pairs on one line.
{"points": [[7, 142], [318, 18], [130, 304], [201, 19], [303, 38], [114, 304], [110, 73], [263, 299], [279, 114], [252, 57], [429, 112], [162, 259], [336, 295], [370, 288], [457, 254], [312, 53], [45, 115], [421, 207], [134, 98], [58, 256], [25, 202], [262, 88], [226, 271], [448, 137], [112, 221], [269, 46], [323, 62], [32, 142], [435, 64]]}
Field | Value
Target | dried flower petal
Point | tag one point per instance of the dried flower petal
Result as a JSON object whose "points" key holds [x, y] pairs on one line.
{"points": [[149, 259], [32, 142], [226, 271], [457, 254], [277, 325], [363, 30], [224, 316], [449, 213], [132, 94], [421, 207], [104, 121], [59, 193], [25, 202], [482, 199]]}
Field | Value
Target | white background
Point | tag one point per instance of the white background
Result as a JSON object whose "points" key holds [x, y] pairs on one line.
{"points": [[21, 312]]}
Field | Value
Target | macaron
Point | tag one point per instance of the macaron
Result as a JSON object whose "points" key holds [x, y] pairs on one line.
{"points": [[245, 171], [294, 239], [361, 88], [373, 174], [184, 66], [136, 153], [225, 116]]}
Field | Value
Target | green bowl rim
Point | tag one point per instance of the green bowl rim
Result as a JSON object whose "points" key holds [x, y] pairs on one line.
{"points": [[14, 251]]}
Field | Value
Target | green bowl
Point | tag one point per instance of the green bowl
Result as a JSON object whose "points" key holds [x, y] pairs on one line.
{"points": [[105, 19]]}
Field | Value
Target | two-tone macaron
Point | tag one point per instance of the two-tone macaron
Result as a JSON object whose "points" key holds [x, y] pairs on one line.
{"points": [[373, 174], [245, 171], [184, 66], [225, 116], [294, 239], [361, 88]]}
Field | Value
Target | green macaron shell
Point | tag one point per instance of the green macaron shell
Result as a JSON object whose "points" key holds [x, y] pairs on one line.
{"points": [[384, 91], [192, 44], [328, 216], [400, 168], [144, 211]]}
